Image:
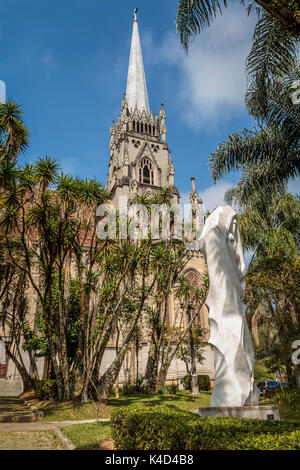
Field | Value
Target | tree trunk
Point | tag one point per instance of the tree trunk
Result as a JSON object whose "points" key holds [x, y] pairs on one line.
{"points": [[297, 376], [162, 375], [27, 380], [34, 370], [284, 13], [108, 379], [151, 368]]}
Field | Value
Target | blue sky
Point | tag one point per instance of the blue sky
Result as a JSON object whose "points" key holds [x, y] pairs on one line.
{"points": [[66, 63]]}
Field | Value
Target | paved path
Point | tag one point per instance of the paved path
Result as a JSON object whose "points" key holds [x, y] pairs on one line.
{"points": [[35, 435], [42, 426]]}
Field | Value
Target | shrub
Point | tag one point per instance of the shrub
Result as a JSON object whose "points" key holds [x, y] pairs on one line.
{"points": [[170, 389], [134, 388], [204, 382], [45, 389], [290, 398], [164, 428], [186, 381]]}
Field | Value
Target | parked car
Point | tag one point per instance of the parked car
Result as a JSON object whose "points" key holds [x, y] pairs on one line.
{"points": [[268, 386], [283, 385]]}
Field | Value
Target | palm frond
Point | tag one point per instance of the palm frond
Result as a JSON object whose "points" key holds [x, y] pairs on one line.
{"points": [[249, 146], [272, 55], [194, 15]]}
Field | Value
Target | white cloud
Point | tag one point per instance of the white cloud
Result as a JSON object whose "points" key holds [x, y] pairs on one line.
{"points": [[294, 186], [213, 80], [212, 197], [2, 92]]}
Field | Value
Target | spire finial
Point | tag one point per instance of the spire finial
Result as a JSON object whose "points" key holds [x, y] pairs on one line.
{"points": [[134, 14], [193, 185]]}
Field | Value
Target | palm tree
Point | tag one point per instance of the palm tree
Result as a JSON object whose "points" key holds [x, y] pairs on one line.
{"points": [[194, 15], [268, 154], [14, 136]]}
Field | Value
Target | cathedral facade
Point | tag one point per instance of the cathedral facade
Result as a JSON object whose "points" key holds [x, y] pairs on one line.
{"points": [[140, 163]]}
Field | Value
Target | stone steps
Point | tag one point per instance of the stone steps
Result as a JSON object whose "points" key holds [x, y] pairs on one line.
{"points": [[11, 388], [14, 410]]}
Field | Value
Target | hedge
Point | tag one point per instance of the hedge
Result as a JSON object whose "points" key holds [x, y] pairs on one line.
{"points": [[163, 428]]}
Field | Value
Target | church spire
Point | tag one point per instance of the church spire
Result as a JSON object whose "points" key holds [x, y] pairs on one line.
{"points": [[136, 91]]}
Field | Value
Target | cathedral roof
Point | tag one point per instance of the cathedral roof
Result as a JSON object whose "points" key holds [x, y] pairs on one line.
{"points": [[136, 91]]}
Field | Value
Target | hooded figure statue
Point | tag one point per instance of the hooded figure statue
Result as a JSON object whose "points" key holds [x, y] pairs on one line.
{"points": [[229, 333]]}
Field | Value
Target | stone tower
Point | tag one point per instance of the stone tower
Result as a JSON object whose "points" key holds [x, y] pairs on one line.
{"points": [[140, 159], [140, 162]]}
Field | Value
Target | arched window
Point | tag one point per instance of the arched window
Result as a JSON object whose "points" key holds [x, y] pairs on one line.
{"points": [[146, 172], [194, 280]]}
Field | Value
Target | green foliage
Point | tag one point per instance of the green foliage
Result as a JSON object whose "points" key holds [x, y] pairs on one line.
{"points": [[186, 381], [267, 155], [184, 350], [194, 15], [203, 382], [261, 370], [163, 428], [289, 398], [45, 389], [169, 389], [134, 388], [14, 136]]}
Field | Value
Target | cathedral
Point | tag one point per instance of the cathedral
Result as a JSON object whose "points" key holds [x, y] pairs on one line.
{"points": [[140, 163]]}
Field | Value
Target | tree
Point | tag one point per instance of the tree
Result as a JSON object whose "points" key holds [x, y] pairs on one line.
{"points": [[268, 154], [194, 15], [188, 352], [14, 136]]}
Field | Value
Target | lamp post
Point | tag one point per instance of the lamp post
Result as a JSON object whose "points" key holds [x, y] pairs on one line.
{"points": [[195, 387]]}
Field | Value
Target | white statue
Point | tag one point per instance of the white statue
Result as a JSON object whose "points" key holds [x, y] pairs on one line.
{"points": [[229, 333]]}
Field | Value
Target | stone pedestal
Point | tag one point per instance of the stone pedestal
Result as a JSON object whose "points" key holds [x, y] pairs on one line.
{"points": [[254, 412]]}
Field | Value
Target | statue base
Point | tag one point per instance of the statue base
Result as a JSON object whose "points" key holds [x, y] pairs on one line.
{"points": [[254, 412]]}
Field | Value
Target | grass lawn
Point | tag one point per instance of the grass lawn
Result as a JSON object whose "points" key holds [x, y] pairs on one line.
{"points": [[93, 436], [286, 414], [90, 436], [55, 411]]}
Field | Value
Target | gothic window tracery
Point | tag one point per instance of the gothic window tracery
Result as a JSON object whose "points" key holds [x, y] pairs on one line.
{"points": [[146, 171], [194, 280]]}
